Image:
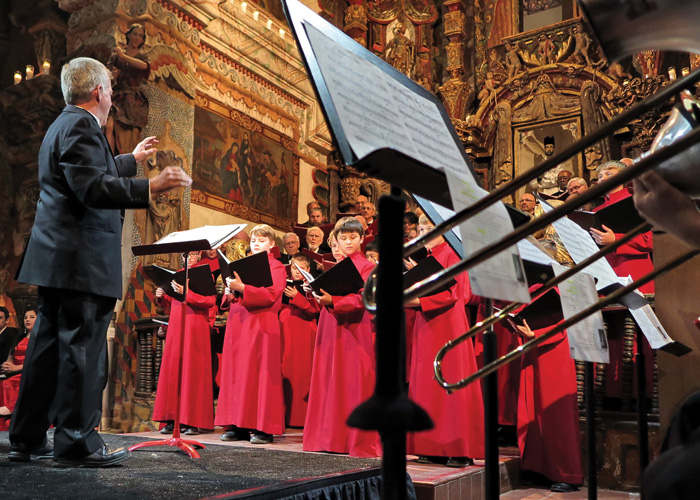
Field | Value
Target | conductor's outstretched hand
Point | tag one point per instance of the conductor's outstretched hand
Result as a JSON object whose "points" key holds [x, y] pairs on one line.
{"points": [[144, 148], [169, 178]]}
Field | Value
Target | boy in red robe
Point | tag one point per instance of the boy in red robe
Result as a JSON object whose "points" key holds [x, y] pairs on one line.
{"points": [[458, 434], [343, 371], [250, 397], [196, 393], [298, 330]]}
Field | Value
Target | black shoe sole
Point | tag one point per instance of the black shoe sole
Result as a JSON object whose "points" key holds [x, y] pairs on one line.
{"points": [[90, 464]]}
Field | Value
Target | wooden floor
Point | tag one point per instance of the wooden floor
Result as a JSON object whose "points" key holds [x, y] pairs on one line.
{"points": [[431, 482]]}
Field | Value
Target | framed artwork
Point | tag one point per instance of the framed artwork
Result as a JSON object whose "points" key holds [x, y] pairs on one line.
{"points": [[243, 168], [535, 142]]}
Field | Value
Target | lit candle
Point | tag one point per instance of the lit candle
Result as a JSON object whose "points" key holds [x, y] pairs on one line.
{"points": [[18, 77], [46, 67], [269, 24], [30, 72], [685, 70], [256, 15], [671, 73], [282, 32], [244, 6]]}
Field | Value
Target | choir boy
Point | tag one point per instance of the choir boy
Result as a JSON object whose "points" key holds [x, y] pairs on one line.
{"points": [[298, 330], [250, 398], [458, 435], [197, 398], [343, 371]]}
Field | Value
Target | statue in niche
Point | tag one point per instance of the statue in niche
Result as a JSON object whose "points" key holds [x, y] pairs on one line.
{"points": [[512, 60], [166, 214], [399, 51], [546, 50], [131, 68], [582, 45]]}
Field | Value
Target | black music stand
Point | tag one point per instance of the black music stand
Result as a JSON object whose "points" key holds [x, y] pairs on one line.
{"points": [[183, 245]]}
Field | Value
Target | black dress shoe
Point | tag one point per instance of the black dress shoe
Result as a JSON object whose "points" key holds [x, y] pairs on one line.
{"points": [[21, 453], [563, 488], [235, 434], [101, 458], [430, 459], [260, 437], [168, 429], [459, 462]]}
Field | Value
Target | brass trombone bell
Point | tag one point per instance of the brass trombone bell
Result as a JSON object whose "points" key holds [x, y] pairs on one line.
{"points": [[626, 27]]}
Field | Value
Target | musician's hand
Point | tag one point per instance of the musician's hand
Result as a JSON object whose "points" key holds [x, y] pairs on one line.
{"points": [[291, 292], [235, 283], [413, 303], [177, 287], [525, 330], [409, 263], [604, 237], [324, 298], [159, 293]]}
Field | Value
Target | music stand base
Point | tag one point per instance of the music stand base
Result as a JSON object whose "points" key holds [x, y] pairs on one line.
{"points": [[186, 445]]}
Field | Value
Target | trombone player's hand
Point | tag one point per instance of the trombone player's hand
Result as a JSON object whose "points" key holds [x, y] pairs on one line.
{"points": [[667, 207]]}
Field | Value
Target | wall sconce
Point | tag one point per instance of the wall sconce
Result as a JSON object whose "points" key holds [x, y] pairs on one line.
{"points": [[18, 77], [46, 67], [30, 72], [256, 15]]}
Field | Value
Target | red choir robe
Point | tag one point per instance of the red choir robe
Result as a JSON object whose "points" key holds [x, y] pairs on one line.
{"points": [[508, 375], [9, 388], [458, 417], [343, 375], [250, 394], [631, 259], [549, 438], [196, 394], [298, 329]]}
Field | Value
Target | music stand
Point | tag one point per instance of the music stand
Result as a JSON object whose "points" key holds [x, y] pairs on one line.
{"points": [[187, 241]]}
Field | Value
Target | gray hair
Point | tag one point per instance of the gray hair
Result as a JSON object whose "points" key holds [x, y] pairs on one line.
{"points": [[290, 235], [611, 165], [80, 76], [580, 181]]}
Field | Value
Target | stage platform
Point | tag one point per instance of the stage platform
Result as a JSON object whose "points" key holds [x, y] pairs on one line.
{"points": [[229, 470]]}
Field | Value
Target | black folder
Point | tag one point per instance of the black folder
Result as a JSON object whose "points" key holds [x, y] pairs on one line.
{"points": [[621, 217], [298, 284], [542, 313], [424, 269], [253, 270], [201, 280], [537, 273], [341, 279]]}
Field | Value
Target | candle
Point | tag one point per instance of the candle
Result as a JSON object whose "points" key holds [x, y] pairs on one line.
{"points": [[685, 70], [30, 72], [46, 67], [671, 73], [18, 77], [244, 6], [256, 15]]}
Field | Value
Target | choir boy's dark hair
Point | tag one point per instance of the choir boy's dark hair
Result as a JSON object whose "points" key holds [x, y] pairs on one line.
{"points": [[349, 225]]}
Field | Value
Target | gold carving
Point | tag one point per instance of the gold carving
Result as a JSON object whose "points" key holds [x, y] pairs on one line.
{"points": [[356, 17], [454, 23]]}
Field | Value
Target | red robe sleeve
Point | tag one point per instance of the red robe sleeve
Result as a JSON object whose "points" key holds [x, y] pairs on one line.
{"points": [[197, 301], [309, 306], [639, 245]]}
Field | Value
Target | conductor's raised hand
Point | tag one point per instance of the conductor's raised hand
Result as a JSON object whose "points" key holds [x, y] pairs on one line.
{"points": [[144, 148], [235, 283], [169, 178], [325, 299]]}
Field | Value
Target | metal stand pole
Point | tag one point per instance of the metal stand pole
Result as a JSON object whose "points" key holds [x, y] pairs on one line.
{"points": [[492, 482], [588, 376]]}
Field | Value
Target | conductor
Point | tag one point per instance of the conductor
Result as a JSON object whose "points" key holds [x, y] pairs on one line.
{"points": [[74, 256]]}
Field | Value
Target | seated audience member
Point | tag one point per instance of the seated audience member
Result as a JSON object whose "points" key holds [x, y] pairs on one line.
{"points": [[12, 370], [291, 244], [368, 212], [343, 372], [196, 396], [312, 205], [298, 332], [440, 318], [527, 204], [314, 240], [9, 336], [250, 398], [410, 226]]}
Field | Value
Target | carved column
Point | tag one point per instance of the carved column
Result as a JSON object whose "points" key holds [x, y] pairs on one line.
{"points": [[455, 91], [355, 22], [580, 385], [628, 339]]}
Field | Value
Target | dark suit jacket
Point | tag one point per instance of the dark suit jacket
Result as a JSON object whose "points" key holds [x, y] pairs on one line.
{"points": [[75, 242], [9, 338]]}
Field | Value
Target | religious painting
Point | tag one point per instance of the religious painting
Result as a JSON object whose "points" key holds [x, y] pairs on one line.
{"points": [[243, 168], [538, 14], [535, 142]]}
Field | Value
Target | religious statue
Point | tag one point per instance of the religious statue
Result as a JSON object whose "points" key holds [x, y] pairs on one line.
{"points": [[131, 68], [399, 51], [582, 44], [488, 91], [546, 50], [512, 60]]}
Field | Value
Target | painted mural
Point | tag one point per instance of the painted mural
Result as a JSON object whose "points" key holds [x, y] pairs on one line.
{"points": [[244, 168]]}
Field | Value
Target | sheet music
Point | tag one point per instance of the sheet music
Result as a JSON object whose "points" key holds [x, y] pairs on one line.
{"points": [[307, 275], [651, 327], [215, 235], [376, 111], [531, 252], [502, 276], [587, 339], [580, 245]]}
